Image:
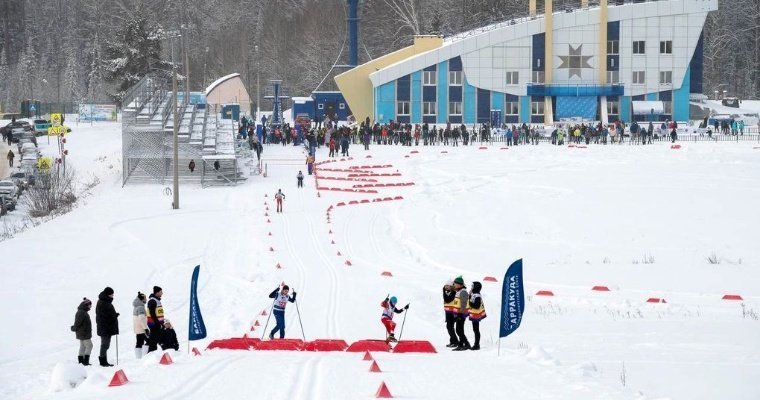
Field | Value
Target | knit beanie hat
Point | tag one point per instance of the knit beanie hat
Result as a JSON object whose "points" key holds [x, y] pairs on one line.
{"points": [[156, 289], [108, 291], [459, 280], [476, 286]]}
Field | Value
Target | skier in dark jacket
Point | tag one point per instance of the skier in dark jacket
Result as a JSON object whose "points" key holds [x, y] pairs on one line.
{"points": [[83, 329], [106, 319], [281, 300]]}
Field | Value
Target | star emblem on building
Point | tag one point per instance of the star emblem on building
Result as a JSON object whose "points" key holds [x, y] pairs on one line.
{"points": [[575, 61]]}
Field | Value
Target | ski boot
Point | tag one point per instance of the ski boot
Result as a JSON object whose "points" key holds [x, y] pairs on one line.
{"points": [[391, 339]]}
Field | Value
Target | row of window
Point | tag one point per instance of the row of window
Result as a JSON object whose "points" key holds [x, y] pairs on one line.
{"points": [[639, 47], [429, 78], [511, 108], [640, 77], [403, 108]]}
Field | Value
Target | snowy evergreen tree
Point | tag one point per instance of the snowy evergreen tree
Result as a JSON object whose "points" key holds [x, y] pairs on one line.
{"points": [[134, 51]]}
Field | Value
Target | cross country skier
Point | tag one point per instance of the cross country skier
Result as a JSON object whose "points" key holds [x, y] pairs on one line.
{"points": [[279, 196], [299, 178], [281, 300], [389, 307]]}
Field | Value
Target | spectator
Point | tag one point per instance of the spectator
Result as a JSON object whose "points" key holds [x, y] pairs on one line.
{"points": [[191, 166], [140, 322], [106, 318], [169, 337], [83, 329]]}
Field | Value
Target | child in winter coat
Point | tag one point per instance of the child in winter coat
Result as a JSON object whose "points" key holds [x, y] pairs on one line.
{"points": [[83, 329], [169, 337], [281, 299], [389, 307], [140, 322], [477, 312]]}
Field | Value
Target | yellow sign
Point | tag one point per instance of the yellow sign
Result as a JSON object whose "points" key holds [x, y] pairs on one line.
{"points": [[56, 130], [56, 119], [44, 163]]}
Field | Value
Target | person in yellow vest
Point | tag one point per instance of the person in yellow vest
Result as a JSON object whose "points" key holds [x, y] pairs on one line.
{"points": [[461, 315], [477, 312], [450, 307], [155, 318]]}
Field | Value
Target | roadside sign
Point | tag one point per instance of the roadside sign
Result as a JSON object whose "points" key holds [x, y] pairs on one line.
{"points": [[56, 119], [44, 164], [57, 130]]}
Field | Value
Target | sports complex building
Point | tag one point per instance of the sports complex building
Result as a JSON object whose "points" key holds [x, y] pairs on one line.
{"points": [[626, 60]]}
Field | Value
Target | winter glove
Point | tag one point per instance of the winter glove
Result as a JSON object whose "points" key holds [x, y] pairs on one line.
{"points": [[406, 307], [73, 329], [147, 333]]}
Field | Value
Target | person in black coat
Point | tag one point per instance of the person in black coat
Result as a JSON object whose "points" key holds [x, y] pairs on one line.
{"points": [[83, 329], [106, 319], [169, 337]]}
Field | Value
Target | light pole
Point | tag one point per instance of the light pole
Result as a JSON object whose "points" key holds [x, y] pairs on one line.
{"points": [[258, 86], [175, 128]]}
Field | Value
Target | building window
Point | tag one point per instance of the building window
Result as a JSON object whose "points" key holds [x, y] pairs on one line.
{"points": [[613, 108], [455, 78], [428, 78], [639, 47], [320, 106], [666, 77], [428, 108], [666, 47], [613, 77], [342, 106], [613, 47], [512, 108], [513, 78], [402, 108], [537, 108], [538, 77], [455, 108], [639, 77], [667, 107]]}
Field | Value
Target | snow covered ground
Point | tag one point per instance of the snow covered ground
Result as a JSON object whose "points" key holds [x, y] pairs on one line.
{"points": [[641, 220]]}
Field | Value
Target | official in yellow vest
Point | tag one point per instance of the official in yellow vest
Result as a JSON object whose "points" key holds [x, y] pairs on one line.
{"points": [[155, 318], [450, 307], [477, 312]]}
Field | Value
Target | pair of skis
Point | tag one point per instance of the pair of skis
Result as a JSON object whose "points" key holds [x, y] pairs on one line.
{"points": [[391, 339]]}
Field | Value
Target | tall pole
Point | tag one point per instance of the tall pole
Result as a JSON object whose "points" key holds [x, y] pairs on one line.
{"points": [[258, 86], [175, 128], [187, 70]]}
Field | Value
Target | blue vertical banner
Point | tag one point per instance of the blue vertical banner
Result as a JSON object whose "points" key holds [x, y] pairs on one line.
{"points": [[512, 299], [197, 329]]}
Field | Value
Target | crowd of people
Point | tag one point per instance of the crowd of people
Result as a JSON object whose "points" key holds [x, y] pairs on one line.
{"points": [[150, 327]]}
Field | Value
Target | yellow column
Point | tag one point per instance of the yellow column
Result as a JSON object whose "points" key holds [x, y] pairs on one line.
{"points": [[532, 7], [603, 41], [548, 58]]}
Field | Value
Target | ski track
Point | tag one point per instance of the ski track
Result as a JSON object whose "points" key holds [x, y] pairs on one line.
{"points": [[293, 251], [333, 328], [197, 381]]}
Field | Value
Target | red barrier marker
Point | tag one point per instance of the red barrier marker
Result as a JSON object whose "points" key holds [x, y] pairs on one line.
{"points": [[341, 204], [264, 313], [256, 323], [374, 367], [339, 254], [166, 359], [266, 214], [656, 300], [482, 148], [120, 379], [545, 293], [269, 222], [330, 231], [196, 352], [279, 266], [270, 233], [386, 273], [444, 152], [489, 279], [414, 152], [368, 156], [271, 249], [332, 242], [675, 146], [732, 297], [367, 357], [383, 392], [348, 263], [600, 288]]}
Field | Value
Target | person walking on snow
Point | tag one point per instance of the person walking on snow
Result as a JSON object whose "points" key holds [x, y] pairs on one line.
{"points": [[477, 312], [106, 319], [299, 178], [463, 298], [279, 196], [389, 307], [11, 156], [140, 323], [450, 308], [281, 299], [155, 318], [83, 329]]}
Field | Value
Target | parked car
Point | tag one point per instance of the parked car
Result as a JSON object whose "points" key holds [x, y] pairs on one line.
{"points": [[9, 202], [23, 179], [41, 127], [8, 188], [18, 124], [28, 148]]}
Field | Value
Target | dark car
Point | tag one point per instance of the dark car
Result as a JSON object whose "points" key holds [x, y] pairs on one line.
{"points": [[9, 202], [16, 129], [22, 179]]}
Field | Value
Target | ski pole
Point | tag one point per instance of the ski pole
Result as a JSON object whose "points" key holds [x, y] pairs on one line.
{"points": [[117, 349], [299, 320], [264, 331], [403, 322]]}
